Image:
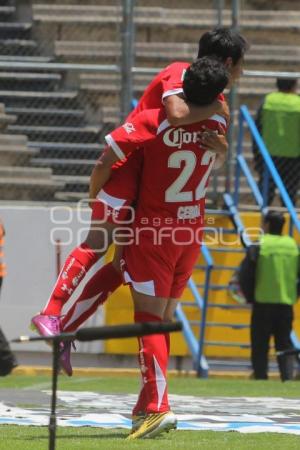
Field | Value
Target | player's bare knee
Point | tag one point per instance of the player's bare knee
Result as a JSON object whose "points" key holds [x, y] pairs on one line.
{"points": [[98, 239], [117, 258]]}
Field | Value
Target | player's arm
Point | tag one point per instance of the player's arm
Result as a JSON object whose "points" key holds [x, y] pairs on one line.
{"points": [[180, 112], [122, 141], [102, 171]]}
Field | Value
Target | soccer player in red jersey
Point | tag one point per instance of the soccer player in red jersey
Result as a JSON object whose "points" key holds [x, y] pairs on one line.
{"points": [[230, 47], [164, 239]]}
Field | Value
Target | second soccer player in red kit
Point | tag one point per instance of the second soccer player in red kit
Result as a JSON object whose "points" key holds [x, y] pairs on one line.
{"points": [[164, 240]]}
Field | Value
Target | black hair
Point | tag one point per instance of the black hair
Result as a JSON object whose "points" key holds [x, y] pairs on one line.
{"points": [[223, 43], [286, 84], [275, 220], [204, 80]]}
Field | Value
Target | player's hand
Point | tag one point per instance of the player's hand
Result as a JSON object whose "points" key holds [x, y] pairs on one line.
{"points": [[214, 142]]}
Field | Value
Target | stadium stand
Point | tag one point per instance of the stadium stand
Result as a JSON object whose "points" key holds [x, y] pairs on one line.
{"points": [[54, 113], [40, 113], [18, 179]]}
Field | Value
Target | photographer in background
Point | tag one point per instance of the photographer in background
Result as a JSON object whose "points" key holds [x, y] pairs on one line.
{"points": [[269, 277]]}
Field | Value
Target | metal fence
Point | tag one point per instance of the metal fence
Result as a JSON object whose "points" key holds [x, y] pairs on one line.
{"points": [[65, 79]]}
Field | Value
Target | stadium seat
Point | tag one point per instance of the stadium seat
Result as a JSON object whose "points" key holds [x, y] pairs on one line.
{"points": [[15, 30], [47, 116], [29, 80], [28, 183]]}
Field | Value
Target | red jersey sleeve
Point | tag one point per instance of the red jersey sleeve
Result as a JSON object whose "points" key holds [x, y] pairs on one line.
{"points": [[132, 135], [173, 78]]}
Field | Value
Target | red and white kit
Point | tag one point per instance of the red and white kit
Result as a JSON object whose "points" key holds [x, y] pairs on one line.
{"points": [[121, 191], [123, 187], [166, 232]]}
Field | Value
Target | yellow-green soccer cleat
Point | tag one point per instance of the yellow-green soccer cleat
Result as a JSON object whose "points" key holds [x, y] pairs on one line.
{"points": [[155, 424], [137, 421]]}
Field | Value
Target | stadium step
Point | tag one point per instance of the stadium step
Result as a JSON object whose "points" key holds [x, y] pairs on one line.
{"points": [[216, 305], [32, 99], [158, 16], [16, 154], [226, 250], [9, 172], [227, 344], [25, 59], [15, 30], [28, 188], [6, 12], [29, 81], [67, 150], [154, 53], [214, 287], [48, 116], [5, 118], [234, 326], [75, 183], [216, 267], [67, 196], [66, 166], [62, 134], [18, 47], [11, 139]]}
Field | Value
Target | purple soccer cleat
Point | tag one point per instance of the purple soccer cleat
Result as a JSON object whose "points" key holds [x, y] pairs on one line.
{"points": [[46, 325], [65, 358]]}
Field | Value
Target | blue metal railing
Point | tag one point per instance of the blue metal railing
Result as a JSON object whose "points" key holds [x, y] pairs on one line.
{"points": [[270, 170], [203, 370]]}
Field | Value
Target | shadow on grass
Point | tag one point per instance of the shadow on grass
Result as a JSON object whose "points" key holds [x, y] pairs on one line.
{"points": [[74, 436]]}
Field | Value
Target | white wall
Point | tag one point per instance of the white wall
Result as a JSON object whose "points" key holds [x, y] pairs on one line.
{"points": [[31, 265]]}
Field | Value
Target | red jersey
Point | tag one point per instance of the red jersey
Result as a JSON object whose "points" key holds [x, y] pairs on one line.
{"points": [[175, 170], [167, 82]]}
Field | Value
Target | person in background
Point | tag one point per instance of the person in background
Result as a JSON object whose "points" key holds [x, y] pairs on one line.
{"points": [[7, 359], [273, 265], [278, 121]]}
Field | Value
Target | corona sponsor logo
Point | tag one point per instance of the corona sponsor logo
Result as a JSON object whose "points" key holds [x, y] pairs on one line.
{"points": [[176, 137]]}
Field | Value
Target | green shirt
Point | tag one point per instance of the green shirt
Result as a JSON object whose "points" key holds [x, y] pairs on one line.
{"points": [[277, 270], [281, 124]]}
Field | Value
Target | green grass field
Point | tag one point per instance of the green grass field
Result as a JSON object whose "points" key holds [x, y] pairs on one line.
{"points": [[35, 438]]}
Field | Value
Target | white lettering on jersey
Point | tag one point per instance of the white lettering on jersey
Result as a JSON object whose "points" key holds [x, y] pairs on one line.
{"points": [[188, 212], [128, 127], [176, 137]]}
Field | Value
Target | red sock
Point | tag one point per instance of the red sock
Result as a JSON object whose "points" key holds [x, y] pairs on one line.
{"points": [[153, 360], [99, 287], [74, 270]]}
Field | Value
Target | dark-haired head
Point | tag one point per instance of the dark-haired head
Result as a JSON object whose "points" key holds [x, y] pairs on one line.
{"points": [[274, 222], [286, 84], [204, 80], [223, 43]]}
